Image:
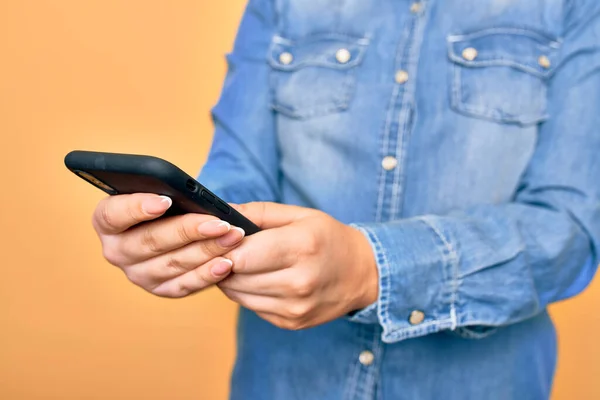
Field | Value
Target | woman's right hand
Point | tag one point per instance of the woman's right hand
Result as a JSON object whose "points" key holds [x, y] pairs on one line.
{"points": [[170, 257]]}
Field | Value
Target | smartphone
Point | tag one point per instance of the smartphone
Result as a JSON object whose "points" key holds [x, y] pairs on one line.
{"points": [[131, 173]]}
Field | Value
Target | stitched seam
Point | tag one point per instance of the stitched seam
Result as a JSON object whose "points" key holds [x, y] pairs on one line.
{"points": [[384, 280], [457, 89], [495, 115], [408, 107], [308, 39], [459, 105], [454, 262], [308, 112], [402, 117], [350, 391], [373, 372], [532, 33], [500, 62], [384, 151], [422, 329], [340, 101], [317, 63]]}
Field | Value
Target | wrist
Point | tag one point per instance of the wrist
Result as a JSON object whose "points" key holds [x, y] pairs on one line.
{"points": [[367, 274]]}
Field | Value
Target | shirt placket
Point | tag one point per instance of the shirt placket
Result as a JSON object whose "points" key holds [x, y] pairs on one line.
{"points": [[399, 118], [364, 373]]}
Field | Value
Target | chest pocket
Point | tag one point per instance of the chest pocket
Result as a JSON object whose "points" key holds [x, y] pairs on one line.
{"points": [[501, 74], [314, 76]]}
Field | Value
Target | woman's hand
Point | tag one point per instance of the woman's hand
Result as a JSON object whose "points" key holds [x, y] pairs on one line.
{"points": [[304, 269], [171, 257]]}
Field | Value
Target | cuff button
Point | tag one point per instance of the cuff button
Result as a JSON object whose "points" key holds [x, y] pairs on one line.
{"points": [[416, 317]]}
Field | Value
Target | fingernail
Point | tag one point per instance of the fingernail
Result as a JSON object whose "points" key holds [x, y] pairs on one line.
{"points": [[214, 227], [234, 236], [156, 205], [222, 267]]}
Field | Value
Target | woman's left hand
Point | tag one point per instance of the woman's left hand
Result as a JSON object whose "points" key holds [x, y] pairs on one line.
{"points": [[304, 269]]}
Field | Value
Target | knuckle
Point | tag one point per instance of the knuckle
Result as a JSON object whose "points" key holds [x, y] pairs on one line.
{"points": [[304, 286], [239, 262], [174, 291], [181, 290], [135, 277], [310, 245], [106, 216], [173, 263], [202, 277], [134, 212], [183, 231], [150, 241], [169, 294], [290, 325], [112, 255], [210, 248], [298, 310]]}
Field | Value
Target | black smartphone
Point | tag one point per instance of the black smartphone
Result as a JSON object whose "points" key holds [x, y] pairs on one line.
{"points": [[131, 173]]}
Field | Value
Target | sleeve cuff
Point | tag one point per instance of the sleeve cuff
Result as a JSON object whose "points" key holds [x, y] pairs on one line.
{"points": [[418, 282]]}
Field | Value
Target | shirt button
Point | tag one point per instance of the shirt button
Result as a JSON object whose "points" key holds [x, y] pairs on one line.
{"points": [[366, 358], [401, 77], [389, 163], [416, 317], [286, 58], [342, 56], [469, 54], [544, 62], [416, 7]]}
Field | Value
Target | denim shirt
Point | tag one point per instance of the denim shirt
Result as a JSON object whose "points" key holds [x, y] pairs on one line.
{"points": [[462, 137]]}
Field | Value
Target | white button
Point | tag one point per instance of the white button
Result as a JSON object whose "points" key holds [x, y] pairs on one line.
{"points": [[366, 358], [469, 54], [286, 58], [389, 163], [401, 76], [416, 317], [343, 56], [416, 7], [544, 62]]}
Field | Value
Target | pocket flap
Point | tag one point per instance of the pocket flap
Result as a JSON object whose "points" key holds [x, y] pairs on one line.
{"points": [[526, 50], [332, 51]]}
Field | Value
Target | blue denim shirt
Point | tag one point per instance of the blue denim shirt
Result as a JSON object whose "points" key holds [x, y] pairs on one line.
{"points": [[462, 137]]}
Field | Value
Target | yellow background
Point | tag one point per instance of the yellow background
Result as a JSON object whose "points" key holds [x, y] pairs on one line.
{"points": [[129, 76]]}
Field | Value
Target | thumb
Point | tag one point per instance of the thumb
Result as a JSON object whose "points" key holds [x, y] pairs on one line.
{"points": [[271, 215]]}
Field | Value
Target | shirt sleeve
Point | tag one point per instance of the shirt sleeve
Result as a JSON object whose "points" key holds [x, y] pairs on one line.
{"points": [[243, 163], [487, 266]]}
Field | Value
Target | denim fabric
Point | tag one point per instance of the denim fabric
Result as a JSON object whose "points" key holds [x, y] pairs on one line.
{"points": [[485, 210]]}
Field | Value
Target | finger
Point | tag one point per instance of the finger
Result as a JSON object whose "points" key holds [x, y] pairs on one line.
{"points": [[283, 313], [115, 214], [267, 250], [281, 322], [256, 303], [178, 262], [149, 240], [272, 215], [272, 284], [195, 280]]}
